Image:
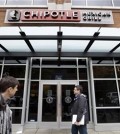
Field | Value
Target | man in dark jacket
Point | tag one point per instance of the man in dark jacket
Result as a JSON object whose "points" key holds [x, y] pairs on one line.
{"points": [[79, 108]]}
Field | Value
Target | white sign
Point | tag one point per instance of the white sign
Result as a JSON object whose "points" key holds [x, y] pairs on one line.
{"points": [[59, 16]]}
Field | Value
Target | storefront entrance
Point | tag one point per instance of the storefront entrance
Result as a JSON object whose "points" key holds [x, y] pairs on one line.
{"points": [[50, 91], [56, 99]]}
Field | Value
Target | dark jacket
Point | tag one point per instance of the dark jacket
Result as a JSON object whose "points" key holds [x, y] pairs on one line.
{"points": [[5, 117], [80, 107]]}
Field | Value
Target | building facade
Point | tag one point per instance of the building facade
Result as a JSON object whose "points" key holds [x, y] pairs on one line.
{"points": [[52, 45]]}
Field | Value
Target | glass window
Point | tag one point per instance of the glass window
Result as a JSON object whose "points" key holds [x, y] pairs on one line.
{"points": [[51, 1], [99, 2], [83, 73], [69, 62], [1, 60], [15, 60], [102, 60], [49, 62], [15, 71], [85, 87], [2, 2], [119, 85], [106, 93], [118, 71], [35, 62], [40, 2], [16, 116], [82, 62], [17, 99], [0, 70], [59, 73], [103, 72], [116, 3], [78, 2], [33, 103], [117, 61], [11, 61], [67, 1], [19, 2], [108, 115], [35, 73]]}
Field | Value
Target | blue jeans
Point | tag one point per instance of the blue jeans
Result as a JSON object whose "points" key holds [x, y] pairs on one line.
{"points": [[82, 129]]}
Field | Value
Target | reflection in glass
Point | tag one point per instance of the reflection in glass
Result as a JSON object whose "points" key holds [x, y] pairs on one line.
{"points": [[103, 71], [35, 73], [59, 73], [106, 93], [16, 116], [83, 73], [116, 3], [33, 102], [9, 60], [69, 62], [67, 100], [102, 61], [17, 99], [49, 103], [19, 2], [15, 71], [99, 2], [78, 2], [118, 71], [108, 115]]}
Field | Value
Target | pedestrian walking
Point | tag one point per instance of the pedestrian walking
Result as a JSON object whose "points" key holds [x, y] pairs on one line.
{"points": [[79, 108], [8, 88]]}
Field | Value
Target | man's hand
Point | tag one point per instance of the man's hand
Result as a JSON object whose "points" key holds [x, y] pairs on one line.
{"points": [[77, 123]]}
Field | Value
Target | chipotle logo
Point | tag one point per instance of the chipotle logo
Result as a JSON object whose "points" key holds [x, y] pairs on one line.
{"points": [[26, 15], [14, 15]]}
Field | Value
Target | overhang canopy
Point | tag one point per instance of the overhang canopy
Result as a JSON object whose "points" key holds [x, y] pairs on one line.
{"points": [[59, 42]]}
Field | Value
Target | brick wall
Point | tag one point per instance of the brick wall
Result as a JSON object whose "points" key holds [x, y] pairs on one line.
{"points": [[59, 1]]}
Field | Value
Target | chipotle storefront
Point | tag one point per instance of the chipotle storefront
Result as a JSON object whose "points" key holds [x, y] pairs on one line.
{"points": [[50, 51]]}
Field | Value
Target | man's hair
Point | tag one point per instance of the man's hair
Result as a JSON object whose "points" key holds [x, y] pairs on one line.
{"points": [[6, 82], [79, 87]]}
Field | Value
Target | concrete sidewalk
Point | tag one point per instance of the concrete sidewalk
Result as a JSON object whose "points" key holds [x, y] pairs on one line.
{"points": [[61, 131]]}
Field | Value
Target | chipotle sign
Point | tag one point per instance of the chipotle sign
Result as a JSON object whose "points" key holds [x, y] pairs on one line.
{"points": [[59, 16], [25, 15]]}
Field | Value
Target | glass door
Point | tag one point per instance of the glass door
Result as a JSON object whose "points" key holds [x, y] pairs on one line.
{"points": [[55, 100], [67, 98], [48, 105]]}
